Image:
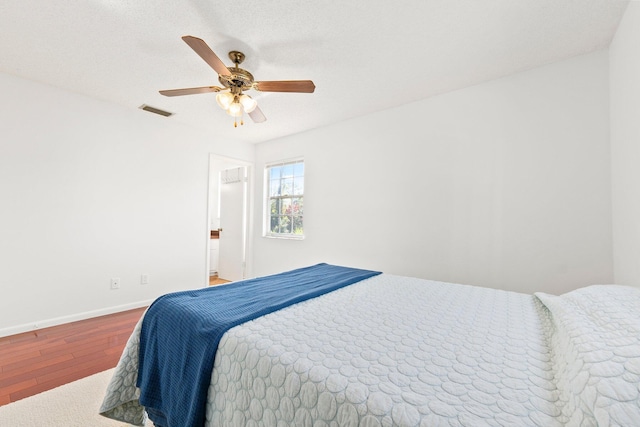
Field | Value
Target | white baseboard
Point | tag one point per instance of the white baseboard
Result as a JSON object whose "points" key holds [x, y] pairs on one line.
{"points": [[40, 324]]}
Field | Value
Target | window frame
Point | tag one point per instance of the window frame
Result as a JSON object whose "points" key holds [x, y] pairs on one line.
{"points": [[268, 199]]}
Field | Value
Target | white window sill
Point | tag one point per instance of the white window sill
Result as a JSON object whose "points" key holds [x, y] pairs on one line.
{"points": [[284, 237]]}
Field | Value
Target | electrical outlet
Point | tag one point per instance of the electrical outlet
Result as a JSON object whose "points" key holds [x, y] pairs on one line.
{"points": [[115, 283], [144, 279]]}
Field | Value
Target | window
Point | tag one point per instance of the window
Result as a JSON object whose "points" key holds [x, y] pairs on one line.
{"points": [[285, 192]]}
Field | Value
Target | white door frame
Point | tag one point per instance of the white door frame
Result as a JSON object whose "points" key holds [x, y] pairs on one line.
{"points": [[215, 162]]}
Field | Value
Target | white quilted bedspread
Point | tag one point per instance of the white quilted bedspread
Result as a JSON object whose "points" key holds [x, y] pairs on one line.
{"points": [[597, 345], [398, 351]]}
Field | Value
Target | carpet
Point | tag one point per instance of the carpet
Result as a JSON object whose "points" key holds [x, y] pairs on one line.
{"points": [[72, 405]]}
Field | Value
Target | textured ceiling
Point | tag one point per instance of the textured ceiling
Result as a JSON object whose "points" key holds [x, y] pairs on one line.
{"points": [[363, 55]]}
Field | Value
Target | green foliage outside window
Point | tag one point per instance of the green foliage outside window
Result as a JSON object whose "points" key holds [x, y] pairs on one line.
{"points": [[286, 195]]}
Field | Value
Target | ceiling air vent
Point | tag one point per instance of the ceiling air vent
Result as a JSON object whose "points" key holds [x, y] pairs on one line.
{"points": [[150, 109]]}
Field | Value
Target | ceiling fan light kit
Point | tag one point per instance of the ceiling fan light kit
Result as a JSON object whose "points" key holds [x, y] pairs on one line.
{"points": [[235, 80], [248, 103], [224, 99]]}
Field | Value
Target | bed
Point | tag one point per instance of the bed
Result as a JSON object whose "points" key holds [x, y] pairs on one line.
{"points": [[392, 350]]}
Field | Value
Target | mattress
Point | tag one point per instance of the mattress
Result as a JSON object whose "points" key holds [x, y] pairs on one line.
{"points": [[393, 350]]}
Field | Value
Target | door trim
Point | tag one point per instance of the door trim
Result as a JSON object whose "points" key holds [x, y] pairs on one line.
{"points": [[216, 164]]}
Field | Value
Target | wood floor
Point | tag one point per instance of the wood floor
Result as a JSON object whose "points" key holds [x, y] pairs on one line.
{"points": [[215, 281], [33, 362]]}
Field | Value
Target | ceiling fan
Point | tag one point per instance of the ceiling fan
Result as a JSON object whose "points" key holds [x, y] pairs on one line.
{"points": [[235, 80]]}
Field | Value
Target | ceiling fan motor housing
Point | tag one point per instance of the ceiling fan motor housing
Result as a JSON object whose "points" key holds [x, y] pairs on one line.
{"points": [[239, 79]]}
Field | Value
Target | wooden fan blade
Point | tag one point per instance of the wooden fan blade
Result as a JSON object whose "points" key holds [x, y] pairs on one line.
{"points": [[190, 91], [205, 52], [305, 86], [257, 115]]}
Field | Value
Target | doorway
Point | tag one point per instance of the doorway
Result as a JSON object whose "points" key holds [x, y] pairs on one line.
{"points": [[229, 218]]}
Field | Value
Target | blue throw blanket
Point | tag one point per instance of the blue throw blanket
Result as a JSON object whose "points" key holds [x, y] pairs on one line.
{"points": [[181, 331]]}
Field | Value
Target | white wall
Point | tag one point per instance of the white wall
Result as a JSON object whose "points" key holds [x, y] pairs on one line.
{"points": [[91, 191], [505, 184], [625, 146]]}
